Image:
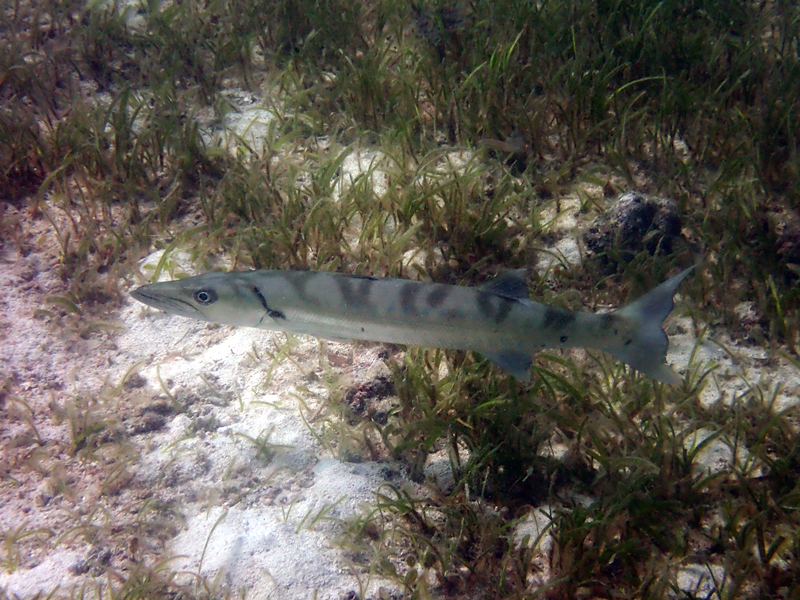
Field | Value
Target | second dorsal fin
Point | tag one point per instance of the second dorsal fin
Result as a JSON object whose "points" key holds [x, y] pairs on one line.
{"points": [[510, 284]]}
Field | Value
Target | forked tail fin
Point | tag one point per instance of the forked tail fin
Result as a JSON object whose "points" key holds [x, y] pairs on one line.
{"points": [[647, 351]]}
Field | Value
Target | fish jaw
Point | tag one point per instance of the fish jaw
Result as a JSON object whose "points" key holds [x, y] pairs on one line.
{"points": [[165, 300]]}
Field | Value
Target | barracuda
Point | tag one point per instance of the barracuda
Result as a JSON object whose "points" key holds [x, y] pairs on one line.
{"points": [[497, 320]]}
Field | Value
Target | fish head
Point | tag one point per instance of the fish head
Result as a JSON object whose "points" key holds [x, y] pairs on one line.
{"points": [[214, 297]]}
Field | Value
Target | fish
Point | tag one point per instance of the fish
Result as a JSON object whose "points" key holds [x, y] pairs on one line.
{"points": [[497, 319]]}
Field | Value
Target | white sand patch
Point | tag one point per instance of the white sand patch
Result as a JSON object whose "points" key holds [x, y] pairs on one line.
{"points": [[282, 551], [701, 581], [714, 453], [535, 531], [55, 570], [362, 163]]}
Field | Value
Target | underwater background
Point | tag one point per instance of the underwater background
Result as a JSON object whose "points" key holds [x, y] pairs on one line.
{"points": [[601, 145]]}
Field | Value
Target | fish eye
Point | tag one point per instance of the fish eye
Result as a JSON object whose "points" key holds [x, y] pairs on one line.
{"points": [[205, 297]]}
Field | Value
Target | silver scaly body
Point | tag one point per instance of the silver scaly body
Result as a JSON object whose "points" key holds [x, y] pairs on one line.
{"points": [[497, 320]]}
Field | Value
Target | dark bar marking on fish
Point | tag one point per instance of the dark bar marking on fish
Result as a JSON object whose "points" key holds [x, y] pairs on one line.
{"points": [[503, 310], [299, 281], [365, 289], [557, 318], [354, 297], [346, 289], [437, 296], [485, 303], [408, 294]]}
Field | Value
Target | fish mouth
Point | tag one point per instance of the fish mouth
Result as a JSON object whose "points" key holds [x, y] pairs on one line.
{"points": [[168, 304]]}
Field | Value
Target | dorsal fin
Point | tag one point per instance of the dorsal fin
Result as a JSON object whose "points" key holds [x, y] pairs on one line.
{"points": [[509, 284]]}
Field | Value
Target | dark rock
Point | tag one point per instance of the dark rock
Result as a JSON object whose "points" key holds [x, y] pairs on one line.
{"points": [[635, 224]]}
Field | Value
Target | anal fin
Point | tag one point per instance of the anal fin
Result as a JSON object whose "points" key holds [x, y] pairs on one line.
{"points": [[516, 363]]}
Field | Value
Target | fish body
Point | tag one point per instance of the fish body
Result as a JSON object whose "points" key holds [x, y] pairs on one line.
{"points": [[497, 320]]}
